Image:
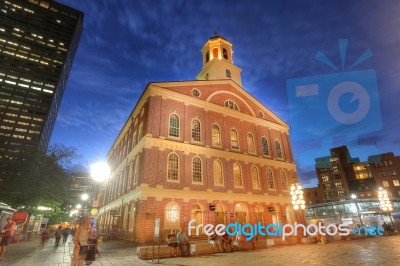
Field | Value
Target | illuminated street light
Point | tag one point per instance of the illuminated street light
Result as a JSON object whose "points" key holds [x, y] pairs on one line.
{"points": [[385, 204], [78, 206], [85, 197], [354, 197], [384, 201], [100, 171], [296, 191]]}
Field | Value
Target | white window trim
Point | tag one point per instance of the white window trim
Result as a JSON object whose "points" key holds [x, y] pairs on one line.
{"points": [[241, 176], [230, 140], [258, 175], [191, 131], [169, 126], [179, 178], [202, 176], [254, 144], [273, 178], [222, 174], [220, 138]]}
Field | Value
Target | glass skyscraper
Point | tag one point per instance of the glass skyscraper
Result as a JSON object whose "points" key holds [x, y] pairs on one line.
{"points": [[38, 42]]}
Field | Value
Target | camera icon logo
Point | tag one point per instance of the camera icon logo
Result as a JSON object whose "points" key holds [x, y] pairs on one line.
{"points": [[339, 104]]}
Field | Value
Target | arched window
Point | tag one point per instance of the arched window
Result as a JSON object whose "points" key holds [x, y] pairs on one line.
{"points": [[284, 181], [250, 143], [174, 126], [278, 149], [255, 177], [207, 57], [171, 216], [218, 173], [196, 130], [173, 167], [140, 134], [270, 179], [231, 104], [136, 175], [237, 175], [215, 53], [131, 174], [234, 140], [264, 143], [197, 170], [215, 135], [225, 53]]}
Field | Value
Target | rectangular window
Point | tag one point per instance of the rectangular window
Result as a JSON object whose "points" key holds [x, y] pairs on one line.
{"points": [[396, 183], [385, 183]]}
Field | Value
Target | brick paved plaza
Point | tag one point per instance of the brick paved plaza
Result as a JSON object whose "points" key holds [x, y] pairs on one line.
{"points": [[372, 251]]}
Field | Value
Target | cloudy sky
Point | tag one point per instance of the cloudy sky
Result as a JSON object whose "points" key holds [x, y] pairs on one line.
{"points": [[126, 44]]}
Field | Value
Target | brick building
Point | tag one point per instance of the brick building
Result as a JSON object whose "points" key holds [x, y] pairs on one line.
{"points": [[386, 171], [312, 195], [340, 175], [204, 149]]}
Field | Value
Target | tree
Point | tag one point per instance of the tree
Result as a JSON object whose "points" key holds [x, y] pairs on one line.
{"points": [[38, 178]]}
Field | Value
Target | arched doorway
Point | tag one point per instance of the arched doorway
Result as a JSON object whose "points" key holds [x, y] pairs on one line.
{"points": [[196, 213], [275, 215], [219, 214], [241, 213], [259, 214]]}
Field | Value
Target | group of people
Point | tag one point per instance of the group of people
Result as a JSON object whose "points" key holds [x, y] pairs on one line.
{"points": [[60, 232], [178, 242]]}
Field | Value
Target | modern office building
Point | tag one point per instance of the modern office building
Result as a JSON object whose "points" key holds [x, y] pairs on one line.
{"points": [[386, 172], [81, 183], [38, 42], [203, 149]]}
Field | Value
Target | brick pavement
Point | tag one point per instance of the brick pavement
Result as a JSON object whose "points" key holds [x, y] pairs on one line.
{"points": [[371, 251]]}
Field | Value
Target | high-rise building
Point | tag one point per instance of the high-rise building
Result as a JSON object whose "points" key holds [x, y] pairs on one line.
{"points": [[81, 183], [38, 42], [203, 149]]}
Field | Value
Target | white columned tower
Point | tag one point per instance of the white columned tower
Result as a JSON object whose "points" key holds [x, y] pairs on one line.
{"points": [[217, 61]]}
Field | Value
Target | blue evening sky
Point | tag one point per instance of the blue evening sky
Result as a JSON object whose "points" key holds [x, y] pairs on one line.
{"points": [[126, 44]]}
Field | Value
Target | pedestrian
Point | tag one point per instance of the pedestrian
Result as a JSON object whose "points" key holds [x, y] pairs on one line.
{"points": [[58, 234], [81, 242], [183, 243], [215, 240], [227, 241], [65, 234], [8, 232], [44, 236], [171, 242]]}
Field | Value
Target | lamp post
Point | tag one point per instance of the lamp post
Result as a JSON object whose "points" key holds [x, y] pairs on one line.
{"points": [[354, 197], [100, 172], [296, 191], [385, 204]]}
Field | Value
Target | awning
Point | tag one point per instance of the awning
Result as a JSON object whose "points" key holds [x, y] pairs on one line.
{"points": [[20, 217]]}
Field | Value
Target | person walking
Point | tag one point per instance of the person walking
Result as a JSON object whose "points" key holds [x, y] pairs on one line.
{"points": [[81, 242], [58, 235], [8, 231], [65, 234], [44, 236]]}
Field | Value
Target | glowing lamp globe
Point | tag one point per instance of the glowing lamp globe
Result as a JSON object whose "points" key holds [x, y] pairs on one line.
{"points": [[100, 171]]}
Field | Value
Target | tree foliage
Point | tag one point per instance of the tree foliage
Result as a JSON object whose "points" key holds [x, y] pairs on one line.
{"points": [[38, 178]]}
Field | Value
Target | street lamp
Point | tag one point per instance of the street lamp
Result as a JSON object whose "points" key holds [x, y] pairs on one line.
{"points": [[354, 197], [78, 206], [85, 197], [296, 191], [100, 171], [385, 204]]}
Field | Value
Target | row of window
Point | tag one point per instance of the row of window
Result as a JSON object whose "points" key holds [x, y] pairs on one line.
{"points": [[218, 173], [396, 183], [124, 181], [174, 129]]}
